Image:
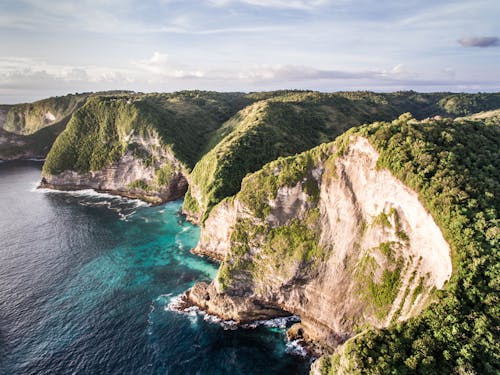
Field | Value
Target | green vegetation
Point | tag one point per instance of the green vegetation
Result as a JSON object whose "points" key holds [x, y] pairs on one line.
{"points": [[92, 138], [190, 204], [262, 133], [257, 189], [380, 291], [453, 165], [467, 104], [291, 249], [100, 132], [164, 174], [418, 289], [138, 184], [36, 145], [382, 220], [283, 123], [26, 119]]}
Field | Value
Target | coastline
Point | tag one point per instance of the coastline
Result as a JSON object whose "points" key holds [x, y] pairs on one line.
{"points": [[153, 200]]}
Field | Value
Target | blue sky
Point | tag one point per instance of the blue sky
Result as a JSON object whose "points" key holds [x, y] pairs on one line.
{"points": [[51, 47]]}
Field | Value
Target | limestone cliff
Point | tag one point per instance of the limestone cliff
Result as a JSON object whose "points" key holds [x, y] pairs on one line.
{"points": [[360, 234], [160, 178], [374, 253], [140, 146]]}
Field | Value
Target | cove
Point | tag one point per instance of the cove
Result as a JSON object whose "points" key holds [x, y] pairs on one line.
{"points": [[85, 281]]}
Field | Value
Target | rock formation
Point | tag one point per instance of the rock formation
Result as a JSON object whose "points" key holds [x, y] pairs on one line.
{"points": [[130, 175], [378, 254]]}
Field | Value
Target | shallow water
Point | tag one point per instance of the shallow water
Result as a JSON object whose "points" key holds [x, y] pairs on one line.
{"points": [[85, 284]]}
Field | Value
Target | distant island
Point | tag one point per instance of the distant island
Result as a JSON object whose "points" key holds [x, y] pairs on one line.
{"points": [[372, 216]]}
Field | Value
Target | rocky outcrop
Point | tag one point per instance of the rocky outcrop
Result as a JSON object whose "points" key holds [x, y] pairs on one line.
{"points": [[216, 244], [368, 254], [131, 176], [4, 110]]}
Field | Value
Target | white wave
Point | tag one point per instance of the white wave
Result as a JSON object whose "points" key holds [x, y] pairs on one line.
{"points": [[225, 324], [177, 304], [281, 322], [90, 193], [164, 296], [295, 347], [35, 159]]}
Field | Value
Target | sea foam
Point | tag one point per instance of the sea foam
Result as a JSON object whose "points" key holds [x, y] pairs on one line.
{"points": [[178, 304]]}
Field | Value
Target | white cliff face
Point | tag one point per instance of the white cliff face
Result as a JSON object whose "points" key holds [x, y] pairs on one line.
{"points": [[386, 253], [118, 177], [216, 243], [352, 204], [3, 116]]}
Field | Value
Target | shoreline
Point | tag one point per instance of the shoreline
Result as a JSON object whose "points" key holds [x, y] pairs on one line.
{"points": [[302, 345], [152, 200]]}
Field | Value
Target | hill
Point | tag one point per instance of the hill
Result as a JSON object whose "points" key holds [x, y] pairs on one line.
{"points": [[385, 242], [137, 145], [284, 123]]}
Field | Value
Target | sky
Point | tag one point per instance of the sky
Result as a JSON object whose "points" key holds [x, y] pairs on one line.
{"points": [[51, 47]]}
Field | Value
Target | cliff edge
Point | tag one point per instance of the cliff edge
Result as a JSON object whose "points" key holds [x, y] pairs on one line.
{"points": [[342, 244], [384, 242]]}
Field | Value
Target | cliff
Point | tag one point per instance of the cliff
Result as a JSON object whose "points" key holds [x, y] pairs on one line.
{"points": [[284, 123], [158, 178], [342, 244], [28, 118], [140, 146], [358, 237], [28, 131], [34, 146]]}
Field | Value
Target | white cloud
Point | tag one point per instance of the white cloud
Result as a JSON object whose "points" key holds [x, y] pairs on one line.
{"points": [[160, 64], [277, 4], [19, 69], [23, 78], [287, 73]]}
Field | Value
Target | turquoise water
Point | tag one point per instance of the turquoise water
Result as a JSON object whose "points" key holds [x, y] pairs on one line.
{"points": [[85, 281]]}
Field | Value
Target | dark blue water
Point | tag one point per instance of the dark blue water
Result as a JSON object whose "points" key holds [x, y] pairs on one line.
{"points": [[84, 285]]}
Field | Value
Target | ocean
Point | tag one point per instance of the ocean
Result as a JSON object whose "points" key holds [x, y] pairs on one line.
{"points": [[86, 281]]}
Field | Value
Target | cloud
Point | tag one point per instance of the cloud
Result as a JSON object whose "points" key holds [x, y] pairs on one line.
{"points": [[161, 65], [482, 41], [287, 73], [23, 78], [277, 4]]}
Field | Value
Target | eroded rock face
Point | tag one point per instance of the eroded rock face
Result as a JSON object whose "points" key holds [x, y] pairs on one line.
{"points": [[385, 253], [119, 177], [3, 116], [216, 243]]}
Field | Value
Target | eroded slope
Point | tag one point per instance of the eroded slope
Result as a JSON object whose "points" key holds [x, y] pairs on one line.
{"points": [[137, 145], [355, 234], [285, 123]]}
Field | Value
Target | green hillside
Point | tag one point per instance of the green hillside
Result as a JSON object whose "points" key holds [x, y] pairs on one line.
{"points": [[26, 119], [36, 145], [453, 165], [284, 123], [98, 133]]}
